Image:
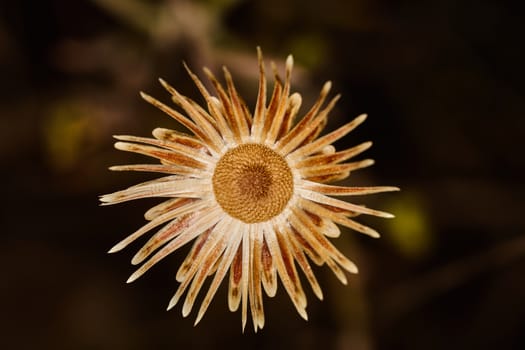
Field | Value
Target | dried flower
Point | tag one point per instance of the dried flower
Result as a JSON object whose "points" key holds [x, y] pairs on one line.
{"points": [[249, 191]]}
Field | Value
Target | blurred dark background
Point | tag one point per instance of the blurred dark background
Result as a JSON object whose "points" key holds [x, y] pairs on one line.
{"points": [[442, 82]]}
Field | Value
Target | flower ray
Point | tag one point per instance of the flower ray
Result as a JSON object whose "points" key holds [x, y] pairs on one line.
{"points": [[237, 109], [167, 206], [327, 139], [194, 206], [345, 191], [303, 123], [190, 188], [234, 289], [200, 222], [212, 136], [226, 261], [333, 158], [215, 111], [320, 198], [286, 147], [340, 219], [176, 147], [286, 268], [161, 168], [169, 156], [201, 134], [260, 105], [321, 170], [269, 276]]}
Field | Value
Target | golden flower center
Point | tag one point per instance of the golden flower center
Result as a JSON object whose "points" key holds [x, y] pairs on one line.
{"points": [[252, 183]]}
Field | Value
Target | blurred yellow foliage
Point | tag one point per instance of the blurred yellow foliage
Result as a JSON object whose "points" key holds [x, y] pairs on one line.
{"points": [[411, 231], [67, 130]]}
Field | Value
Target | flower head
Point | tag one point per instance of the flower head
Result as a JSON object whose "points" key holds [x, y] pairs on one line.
{"points": [[249, 191]]}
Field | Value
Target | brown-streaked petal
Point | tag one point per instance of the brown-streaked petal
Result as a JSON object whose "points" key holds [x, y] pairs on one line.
{"points": [[286, 268], [339, 211], [298, 236], [204, 220], [166, 206], [283, 103], [272, 109], [303, 123], [329, 169], [234, 289], [332, 158], [245, 275], [164, 144], [330, 177], [163, 236], [337, 271], [338, 218], [188, 208], [254, 287], [169, 156], [260, 105], [344, 191], [237, 109], [215, 111], [303, 223], [203, 271], [234, 239], [198, 109], [217, 238], [287, 145], [247, 113], [269, 276], [190, 188], [180, 138], [162, 168], [210, 252], [214, 140], [320, 198], [294, 103], [300, 257], [325, 226], [315, 132], [201, 134], [229, 111], [327, 139], [192, 257]]}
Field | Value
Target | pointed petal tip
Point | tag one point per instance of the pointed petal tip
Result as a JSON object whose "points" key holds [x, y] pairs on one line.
{"points": [[367, 162], [200, 315], [171, 304], [132, 278], [185, 311], [326, 87], [137, 259], [289, 61], [374, 234], [115, 248], [303, 314]]}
